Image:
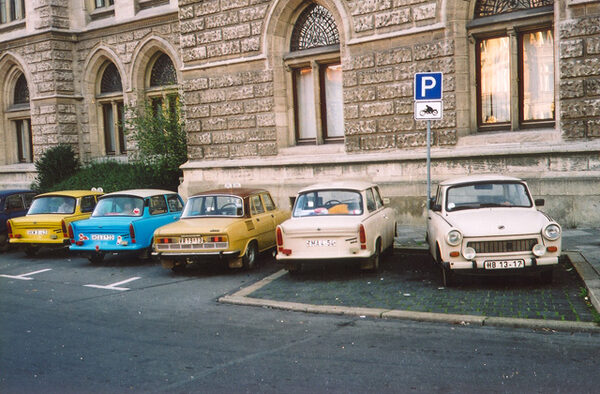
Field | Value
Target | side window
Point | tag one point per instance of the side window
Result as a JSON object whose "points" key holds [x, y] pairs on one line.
{"points": [[256, 206], [27, 199], [371, 205], [378, 198], [174, 203], [158, 205], [269, 204], [438, 199], [88, 203], [14, 202]]}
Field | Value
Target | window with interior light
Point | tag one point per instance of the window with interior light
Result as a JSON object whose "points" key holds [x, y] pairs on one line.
{"points": [[514, 52], [316, 75], [110, 102]]}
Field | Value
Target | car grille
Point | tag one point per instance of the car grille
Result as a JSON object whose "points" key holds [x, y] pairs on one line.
{"points": [[206, 245], [503, 246]]}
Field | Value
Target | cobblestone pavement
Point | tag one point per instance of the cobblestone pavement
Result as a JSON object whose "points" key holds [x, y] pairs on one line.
{"points": [[409, 281]]}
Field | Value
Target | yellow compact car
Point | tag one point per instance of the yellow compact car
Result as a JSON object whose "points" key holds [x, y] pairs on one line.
{"points": [[233, 224], [48, 218]]}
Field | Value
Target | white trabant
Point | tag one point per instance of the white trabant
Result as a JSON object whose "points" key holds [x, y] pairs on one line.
{"points": [[336, 221], [489, 224]]}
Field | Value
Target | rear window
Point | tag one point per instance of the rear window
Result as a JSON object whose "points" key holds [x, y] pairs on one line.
{"points": [[52, 204], [216, 205], [328, 202], [119, 206]]}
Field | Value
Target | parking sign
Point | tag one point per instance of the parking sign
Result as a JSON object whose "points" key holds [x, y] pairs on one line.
{"points": [[428, 86]]}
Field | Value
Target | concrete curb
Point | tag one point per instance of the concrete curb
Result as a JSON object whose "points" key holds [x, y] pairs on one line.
{"points": [[589, 276], [241, 298]]}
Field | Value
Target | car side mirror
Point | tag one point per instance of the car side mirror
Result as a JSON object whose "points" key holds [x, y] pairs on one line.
{"points": [[386, 201], [539, 202], [433, 206]]}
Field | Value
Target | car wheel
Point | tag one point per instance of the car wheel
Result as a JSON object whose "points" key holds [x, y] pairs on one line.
{"points": [[96, 258], [447, 277], [4, 244], [31, 251], [373, 264], [249, 259], [546, 276], [178, 268], [147, 253], [293, 268]]}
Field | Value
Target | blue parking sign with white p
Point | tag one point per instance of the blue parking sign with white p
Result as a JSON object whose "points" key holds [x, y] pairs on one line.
{"points": [[428, 86]]}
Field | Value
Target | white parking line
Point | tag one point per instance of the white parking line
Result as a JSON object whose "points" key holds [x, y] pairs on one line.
{"points": [[114, 286], [25, 276]]}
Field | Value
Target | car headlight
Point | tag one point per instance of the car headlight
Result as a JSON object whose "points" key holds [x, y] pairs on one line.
{"points": [[539, 250], [552, 232], [454, 237], [469, 253]]}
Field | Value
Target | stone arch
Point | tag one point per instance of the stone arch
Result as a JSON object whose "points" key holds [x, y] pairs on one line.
{"points": [[279, 25], [93, 67], [12, 65], [144, 54]]}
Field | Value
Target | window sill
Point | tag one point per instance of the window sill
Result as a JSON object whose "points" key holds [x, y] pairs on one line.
{"points": [[14, 25], [102, 13]]}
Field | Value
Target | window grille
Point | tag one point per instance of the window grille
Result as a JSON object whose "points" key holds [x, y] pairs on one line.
{"points": [[314, 28], [163, 72], [494, 7], [111, 80]]}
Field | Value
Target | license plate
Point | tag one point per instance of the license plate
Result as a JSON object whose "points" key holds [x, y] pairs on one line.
{"points": [[103, 237], [37, 232], [191, 240], [320, 242], [503, 264]]}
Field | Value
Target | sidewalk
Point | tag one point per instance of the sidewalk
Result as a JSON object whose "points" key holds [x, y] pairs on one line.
{"points": [[408, 288]]}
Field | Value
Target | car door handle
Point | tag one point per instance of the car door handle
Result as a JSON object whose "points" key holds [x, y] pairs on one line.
{"points": [[257, 219]]}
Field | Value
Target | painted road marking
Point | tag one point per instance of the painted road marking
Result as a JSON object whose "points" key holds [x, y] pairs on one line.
{"points": [[25, 276], [114, 286]]}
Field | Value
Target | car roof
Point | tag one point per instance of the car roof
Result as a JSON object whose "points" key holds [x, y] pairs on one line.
{"points": [[479, 178], [70, 193], [233, 191], [143, 193], [7, 192], [351, 185]]}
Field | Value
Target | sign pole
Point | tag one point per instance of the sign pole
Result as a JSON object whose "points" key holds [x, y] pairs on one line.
{"points": [[428, 162]]}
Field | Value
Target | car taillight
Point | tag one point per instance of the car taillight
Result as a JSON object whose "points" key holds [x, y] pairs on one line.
{"points": [[217, 239], [9, 229], [362, 236], [279, 237], [63, 225], [71, 234], [163, 240], [132, 233]]}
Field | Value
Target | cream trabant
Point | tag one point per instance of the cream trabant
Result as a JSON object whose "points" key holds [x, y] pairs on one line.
{"points": [[490, 225], [336, 221]]}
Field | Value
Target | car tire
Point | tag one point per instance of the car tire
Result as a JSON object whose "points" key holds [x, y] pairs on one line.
{"points": [[31, 251], [179, 268], [4, 243], [375, 259], [249, 259], [447, 277], [546, 276], [96, 258], [293, 268], [147, 253]]}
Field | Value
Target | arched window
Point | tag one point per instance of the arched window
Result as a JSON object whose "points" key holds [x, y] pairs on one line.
{"points": [[110, 102], [21, 120], [314, 62], [514, 32], [162, 84]]}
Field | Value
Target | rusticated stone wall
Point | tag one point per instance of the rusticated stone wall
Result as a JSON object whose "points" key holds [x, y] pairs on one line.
{"points": [[231, 115], [579, 69], [378, 97], [51, 14]]}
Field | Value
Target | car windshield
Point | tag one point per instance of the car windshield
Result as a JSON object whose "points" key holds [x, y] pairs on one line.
{"points": [[486, 195], [119, 206], [214, 205], [328, 202], [52, 204]]}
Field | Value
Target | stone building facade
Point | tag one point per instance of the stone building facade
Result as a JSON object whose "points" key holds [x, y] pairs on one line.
{"points": [[284, 93]]}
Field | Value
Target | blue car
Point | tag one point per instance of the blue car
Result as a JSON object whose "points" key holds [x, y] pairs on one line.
{"points": [[124, 222], [13, 203]]}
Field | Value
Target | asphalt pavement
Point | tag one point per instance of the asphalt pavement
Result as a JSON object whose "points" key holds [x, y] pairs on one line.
{"points": [[408, 287]]}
